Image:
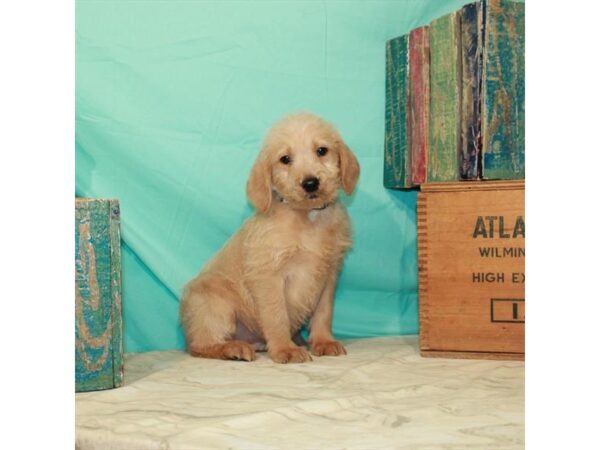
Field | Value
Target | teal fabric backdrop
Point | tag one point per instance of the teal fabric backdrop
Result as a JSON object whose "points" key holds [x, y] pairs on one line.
{"points": [[172, 101]]}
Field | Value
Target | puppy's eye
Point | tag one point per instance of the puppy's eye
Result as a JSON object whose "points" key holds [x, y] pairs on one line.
{"points": [[322, 151], [285, 159]]}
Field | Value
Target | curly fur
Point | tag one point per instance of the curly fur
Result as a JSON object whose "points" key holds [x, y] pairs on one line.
{"points": [[279, 271]]}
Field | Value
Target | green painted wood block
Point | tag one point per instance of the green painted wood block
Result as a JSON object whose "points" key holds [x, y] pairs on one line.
{"points": [[98, 313], [396, 170], [445, 92], [503, 91]]}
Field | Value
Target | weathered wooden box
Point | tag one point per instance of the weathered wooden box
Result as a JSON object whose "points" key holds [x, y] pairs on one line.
{"points": [[471, 244], [98, 325]]}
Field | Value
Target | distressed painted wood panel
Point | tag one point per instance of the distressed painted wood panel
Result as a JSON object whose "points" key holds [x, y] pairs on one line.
{"points": [[503, 106], [471, 23], [419, 103], [98, 322], [445, 67], [396, 171]]}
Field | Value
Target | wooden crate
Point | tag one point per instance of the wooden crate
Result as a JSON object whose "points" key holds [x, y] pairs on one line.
{"points": [[98, 329], [471, 244]]}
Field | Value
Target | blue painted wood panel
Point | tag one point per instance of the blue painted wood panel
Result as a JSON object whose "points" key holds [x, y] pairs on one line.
{"points": [[503, 107], [98, 323]]}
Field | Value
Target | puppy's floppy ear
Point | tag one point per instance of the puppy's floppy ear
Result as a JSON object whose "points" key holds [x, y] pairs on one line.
{"points": [[258, 188], [349, 168]]}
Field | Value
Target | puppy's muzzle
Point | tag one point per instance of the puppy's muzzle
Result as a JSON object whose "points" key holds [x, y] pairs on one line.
{"points": [[310, 184]]}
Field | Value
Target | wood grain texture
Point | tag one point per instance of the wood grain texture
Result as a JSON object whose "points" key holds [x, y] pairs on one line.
{"points": [[471, 260], [418, 103], [98, 326], [503, 90], [117, 319], [473, 355], [396, 171], [471, 24], [444, 138], [479, 185]]}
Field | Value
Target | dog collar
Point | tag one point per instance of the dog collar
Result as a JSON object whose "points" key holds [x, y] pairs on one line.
{"points": [[321, 208], [283, 200]]}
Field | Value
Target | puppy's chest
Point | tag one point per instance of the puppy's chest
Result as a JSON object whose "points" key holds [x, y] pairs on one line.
{"points": [[318, 244], [317, 255]]}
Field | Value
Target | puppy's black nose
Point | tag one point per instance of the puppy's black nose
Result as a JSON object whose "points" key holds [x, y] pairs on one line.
{"points": [[310, 184]]}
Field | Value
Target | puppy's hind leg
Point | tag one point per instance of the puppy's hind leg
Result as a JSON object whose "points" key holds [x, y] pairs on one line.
{"points": [[208, 317]]}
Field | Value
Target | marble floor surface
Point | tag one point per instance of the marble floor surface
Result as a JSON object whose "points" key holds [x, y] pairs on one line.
{"points": [[382, 395]]}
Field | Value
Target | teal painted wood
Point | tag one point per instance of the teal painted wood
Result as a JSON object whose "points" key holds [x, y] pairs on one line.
{"points": [[503, 105], [98, 312], [396, 171]]}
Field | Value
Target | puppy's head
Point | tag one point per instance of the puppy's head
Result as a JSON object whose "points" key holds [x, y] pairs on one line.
{"points": [[305, 162]]}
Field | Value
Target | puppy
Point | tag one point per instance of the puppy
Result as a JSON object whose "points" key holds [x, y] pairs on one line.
{"points": [[279, 271]]}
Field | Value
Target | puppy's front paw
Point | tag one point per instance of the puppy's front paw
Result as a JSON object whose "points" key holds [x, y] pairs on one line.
{"points": [[238, 350], [327, 348], [290, 355]]}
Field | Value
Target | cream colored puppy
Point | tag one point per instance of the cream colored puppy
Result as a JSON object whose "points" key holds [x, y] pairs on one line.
{"points": [[279, 271]]}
